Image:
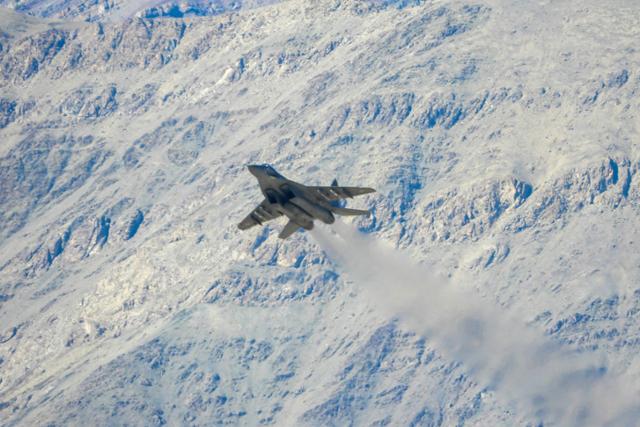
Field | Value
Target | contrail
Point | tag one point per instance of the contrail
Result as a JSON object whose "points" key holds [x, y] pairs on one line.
{"points": [[537, 375]]}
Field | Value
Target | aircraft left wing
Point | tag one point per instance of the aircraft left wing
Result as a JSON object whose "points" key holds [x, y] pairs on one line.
{"points": [[337, 193], [259, 215]]}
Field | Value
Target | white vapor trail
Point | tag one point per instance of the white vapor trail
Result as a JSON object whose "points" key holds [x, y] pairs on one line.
{"points": [[540, 377]]}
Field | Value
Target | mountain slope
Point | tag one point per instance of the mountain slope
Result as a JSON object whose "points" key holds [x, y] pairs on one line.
{"points": [[504, 154], [115, 10]]}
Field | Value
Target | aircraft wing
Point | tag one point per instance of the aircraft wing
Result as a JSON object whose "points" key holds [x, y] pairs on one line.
{"points": [[337, 193], [259, 215]]}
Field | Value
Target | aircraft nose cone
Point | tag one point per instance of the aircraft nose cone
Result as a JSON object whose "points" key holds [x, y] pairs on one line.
{"points": [[252, 168]]}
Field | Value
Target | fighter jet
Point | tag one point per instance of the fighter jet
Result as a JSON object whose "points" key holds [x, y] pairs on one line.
{"points": [[300, 203]]}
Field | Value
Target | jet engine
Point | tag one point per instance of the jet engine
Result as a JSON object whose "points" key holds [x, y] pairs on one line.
{"points": [[315, 210]]}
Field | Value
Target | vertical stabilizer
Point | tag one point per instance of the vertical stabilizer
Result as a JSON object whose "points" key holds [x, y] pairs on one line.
{"points": [[337, 203]]}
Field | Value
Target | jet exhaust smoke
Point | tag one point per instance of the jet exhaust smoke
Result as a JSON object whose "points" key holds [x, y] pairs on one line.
{"points": [[541, 378]]}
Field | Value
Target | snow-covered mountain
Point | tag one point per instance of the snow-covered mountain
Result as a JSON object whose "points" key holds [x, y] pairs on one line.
{"points": [[502, 137], [117, 10]]}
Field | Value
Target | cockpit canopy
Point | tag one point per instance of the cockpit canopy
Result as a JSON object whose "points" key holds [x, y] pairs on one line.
{"points": [[271, 171], [266, 169]]}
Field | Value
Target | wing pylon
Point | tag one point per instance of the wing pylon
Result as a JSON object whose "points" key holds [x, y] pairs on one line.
{"points": [[261, 214]]}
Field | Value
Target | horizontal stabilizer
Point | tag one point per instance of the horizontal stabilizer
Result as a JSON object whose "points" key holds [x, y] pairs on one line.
{"points": [[349, 212], [289, 229]]}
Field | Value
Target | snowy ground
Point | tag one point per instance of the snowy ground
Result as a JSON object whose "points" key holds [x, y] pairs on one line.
{"points": [[502, 137]]}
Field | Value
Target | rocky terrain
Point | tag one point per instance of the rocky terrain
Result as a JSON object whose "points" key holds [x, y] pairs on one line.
{"points": [[502, 137]]}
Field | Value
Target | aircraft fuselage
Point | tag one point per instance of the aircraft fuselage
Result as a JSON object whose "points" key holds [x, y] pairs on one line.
{"points": [[292, 199], [300, 203]]}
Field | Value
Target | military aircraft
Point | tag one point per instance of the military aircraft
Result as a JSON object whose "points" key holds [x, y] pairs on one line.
{"points": [[300, 203]]}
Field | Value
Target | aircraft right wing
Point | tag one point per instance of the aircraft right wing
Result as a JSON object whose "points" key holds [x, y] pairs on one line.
{"points": [[259, 215], [331, 193]]}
